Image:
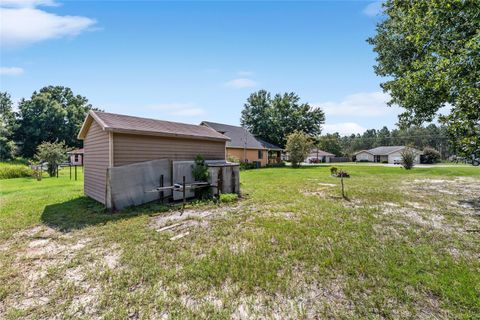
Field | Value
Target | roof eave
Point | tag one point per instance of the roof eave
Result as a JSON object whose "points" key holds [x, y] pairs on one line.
{"points": [[87, 122], [248, 148], [364, 151]]}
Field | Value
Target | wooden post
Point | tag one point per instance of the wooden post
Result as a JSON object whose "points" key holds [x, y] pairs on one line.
{"points": [[341, 179], [219, 182], [75, 172], [184, 199], [57, 170], [161, 186]]}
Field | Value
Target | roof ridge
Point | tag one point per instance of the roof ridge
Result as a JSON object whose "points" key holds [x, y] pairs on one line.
{"points": [[140, 125], [144, 118]]}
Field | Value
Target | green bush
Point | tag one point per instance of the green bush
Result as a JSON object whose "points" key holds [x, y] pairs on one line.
{"points": [[54, 153], [200, 173], [247, 165], [228, 197], [276, 165], [10, 171], [233, 159], [408, 158], [431, 155], [298, 146], [333, 171]]}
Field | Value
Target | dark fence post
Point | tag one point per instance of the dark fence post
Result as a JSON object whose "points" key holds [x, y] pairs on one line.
{"points": [[184, 199], [75, 172], [70, 166], [220, 182], [161, 186]]}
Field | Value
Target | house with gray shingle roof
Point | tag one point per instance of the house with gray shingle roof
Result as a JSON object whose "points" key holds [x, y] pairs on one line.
{"points": [[244, 146], [316, 155], [385, 154]]}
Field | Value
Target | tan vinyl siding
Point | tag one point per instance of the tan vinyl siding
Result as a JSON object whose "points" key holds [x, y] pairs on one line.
{"points": [[130, 148], [95, 162]]}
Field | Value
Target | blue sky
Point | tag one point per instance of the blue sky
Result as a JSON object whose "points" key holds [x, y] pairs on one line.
{"points": [[194, 61]]}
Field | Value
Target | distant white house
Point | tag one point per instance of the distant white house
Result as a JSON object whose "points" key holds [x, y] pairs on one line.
{"points": [[317, 155], [76, 157], [390, 154]]}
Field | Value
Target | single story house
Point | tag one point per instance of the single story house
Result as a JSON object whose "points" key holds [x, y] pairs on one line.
{"points": [[112, 140], [245, 146], [75, 157], [385, 154], [316, 155]]}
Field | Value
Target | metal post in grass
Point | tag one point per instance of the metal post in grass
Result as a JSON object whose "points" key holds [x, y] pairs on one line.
{"points": [[161, 186], [184, 195], [70, 166], [220, 182]]}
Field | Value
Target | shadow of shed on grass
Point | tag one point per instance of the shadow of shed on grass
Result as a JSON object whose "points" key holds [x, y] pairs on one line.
{"points": [[82, 212]]}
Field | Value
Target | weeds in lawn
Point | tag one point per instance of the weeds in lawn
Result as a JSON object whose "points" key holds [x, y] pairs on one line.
{"points": [[399, 249]]}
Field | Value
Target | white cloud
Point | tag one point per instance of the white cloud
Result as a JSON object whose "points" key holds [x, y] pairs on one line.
{"points": [[373, 9], [11, 71], [22, 24], [178, 109], [27, 3], [366, 104], [241, 83], [344, 128]]}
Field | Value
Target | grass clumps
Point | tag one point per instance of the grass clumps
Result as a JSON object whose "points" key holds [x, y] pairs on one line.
{"points": [[12, 170], [228, 197]]}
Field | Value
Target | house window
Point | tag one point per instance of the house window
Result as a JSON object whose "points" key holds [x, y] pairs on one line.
{"points": [[76, 158], [260, 154]]}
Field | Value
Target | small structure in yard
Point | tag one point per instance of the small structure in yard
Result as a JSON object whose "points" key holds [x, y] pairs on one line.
{"points": [[246, 147], [75, 157], [318, 156], [125, 156], [390, 154]]}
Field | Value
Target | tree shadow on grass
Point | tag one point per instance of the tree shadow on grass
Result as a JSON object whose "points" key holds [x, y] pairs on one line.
{"points": [[83, 212]]}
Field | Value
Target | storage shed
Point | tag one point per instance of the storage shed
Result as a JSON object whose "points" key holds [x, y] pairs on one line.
{"points": [[112, 140]]}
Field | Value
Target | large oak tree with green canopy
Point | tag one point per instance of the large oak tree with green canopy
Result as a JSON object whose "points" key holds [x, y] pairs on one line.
{"points": [[430, 52], [273, 119], [54, 113]]}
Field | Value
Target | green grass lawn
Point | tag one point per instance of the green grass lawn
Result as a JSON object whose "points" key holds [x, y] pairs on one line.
{"points": [[405, 244]]}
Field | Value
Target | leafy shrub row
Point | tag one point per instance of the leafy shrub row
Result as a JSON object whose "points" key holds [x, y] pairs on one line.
{"points": [[276, 165], [10, 171]]}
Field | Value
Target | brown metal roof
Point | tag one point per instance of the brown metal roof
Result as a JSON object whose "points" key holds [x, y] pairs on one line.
{"points": [[136, 125]]}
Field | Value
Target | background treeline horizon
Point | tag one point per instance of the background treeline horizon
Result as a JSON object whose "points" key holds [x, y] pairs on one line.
{"points": [[56, 114], [52, 114], [420, 137]]}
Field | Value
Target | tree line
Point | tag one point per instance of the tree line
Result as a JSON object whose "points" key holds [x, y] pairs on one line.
{"points": [[52, 114], [432, 136], [274, 119]]}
